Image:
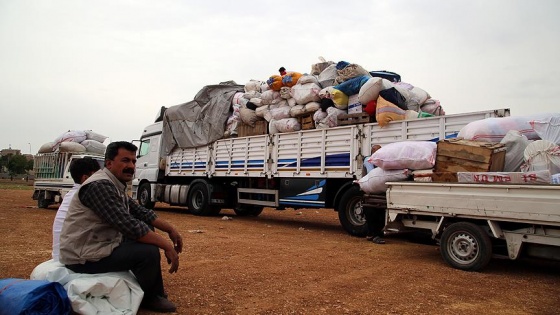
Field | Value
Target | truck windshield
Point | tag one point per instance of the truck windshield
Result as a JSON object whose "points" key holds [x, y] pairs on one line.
{"points": [[144, 147]]}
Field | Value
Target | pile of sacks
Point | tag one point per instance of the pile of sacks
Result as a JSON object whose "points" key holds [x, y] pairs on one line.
{"points": [[77, 141], [532, 145], [327, 92]]}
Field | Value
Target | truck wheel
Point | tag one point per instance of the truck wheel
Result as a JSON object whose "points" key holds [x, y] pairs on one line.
{"points": [[248, 210], [466, 246], [351, 213], [198, 200], [145, 196], [41, 201]]}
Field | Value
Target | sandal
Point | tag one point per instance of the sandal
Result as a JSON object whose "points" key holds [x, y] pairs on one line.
{"points": [[378, 240]]}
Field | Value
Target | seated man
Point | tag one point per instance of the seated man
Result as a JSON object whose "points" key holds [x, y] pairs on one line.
{"points": [[106, 230], [80, 170]]}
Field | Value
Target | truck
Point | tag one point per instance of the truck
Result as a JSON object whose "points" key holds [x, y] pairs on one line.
{"points": [[474, 222], [52, 175], [312, 168]]}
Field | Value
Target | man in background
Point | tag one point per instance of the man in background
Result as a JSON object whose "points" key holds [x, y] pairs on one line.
{"points": [[80, 170]]}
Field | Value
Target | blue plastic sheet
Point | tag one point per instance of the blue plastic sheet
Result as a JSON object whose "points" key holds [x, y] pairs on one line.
{"points": [[20, 296], [352, 86]]}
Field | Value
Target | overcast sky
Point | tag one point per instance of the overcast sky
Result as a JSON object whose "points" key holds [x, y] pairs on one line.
{"points": [[109, 65]]}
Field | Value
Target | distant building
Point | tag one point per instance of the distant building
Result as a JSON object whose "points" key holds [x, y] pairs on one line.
{"points": [[5, 152]]}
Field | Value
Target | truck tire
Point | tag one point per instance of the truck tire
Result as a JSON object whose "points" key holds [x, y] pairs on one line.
{"points": [[42, 202], [466, 246], [351, 213], [248, 210], [145, 196], [198, 200]]}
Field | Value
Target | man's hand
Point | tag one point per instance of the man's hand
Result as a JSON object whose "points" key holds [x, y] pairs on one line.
{"points": [[173, 259], [177, 240]]}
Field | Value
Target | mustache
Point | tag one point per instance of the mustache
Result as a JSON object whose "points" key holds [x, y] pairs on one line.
{"points": [[128, 171]]}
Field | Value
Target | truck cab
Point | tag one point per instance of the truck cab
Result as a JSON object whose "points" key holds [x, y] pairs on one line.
{"points": [[149, 165]]}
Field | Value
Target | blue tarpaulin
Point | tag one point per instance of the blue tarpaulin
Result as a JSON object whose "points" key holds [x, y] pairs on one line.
{"points": [[20, 296]]}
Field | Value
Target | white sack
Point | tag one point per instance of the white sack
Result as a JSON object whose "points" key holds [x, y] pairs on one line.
{"points": [[542, 155], [286, 125], [280, 112], [414, 155], [331, 120], [92, 294], [257, 101], [270, 95], [312, 107], [285, 92], [91, 135], [251, 94], [305, 93], [248, 116], [548, 128], [515, 143], [292, 102], [253, 85], [370, 90], [70, 136], [374, 181], [318, 116], [297, 110], [93, 146], [239, 100], [46, 148], [495, 129], [262, 110], [327, 76], [306, 78], [71, 147]]}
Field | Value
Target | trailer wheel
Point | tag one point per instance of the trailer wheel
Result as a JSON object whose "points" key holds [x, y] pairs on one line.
{"points": [[145, 196], [248, 210], [351, 212], [198, 200], [42, 202], [466, 246]]}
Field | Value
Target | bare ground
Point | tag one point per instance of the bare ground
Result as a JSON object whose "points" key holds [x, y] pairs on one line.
{"points": [[301, 262]]}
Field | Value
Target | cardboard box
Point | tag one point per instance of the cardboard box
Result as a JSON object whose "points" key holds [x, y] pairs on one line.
{"points": [[260, 128], [459, 155], [354, 105], [306, 121], [353, 119], [445, 177]]}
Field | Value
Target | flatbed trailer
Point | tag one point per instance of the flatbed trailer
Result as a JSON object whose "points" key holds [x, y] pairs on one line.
{"points": [[473, 222]]}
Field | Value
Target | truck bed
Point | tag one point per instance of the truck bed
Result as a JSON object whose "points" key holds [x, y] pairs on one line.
{"points": [[316, 153], [534, 204]]}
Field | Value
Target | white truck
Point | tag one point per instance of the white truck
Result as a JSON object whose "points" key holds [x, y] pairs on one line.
{"points": [[474, 222], [52, 175], [306, 169]]}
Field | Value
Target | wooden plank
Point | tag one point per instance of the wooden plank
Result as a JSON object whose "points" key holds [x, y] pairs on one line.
{"points": [[353, 119]]}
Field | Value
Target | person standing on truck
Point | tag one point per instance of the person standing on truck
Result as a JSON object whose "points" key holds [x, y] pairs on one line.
{"points": [[80, 170], [375, 217], [367, 165], [106, 230]]}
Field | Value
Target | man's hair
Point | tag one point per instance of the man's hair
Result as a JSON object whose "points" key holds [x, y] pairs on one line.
{"points": [[281, 69], [83, 166], [113, 149]]}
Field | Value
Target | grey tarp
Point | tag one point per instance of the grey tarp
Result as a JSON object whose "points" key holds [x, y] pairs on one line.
{"points": [[200, 121]]}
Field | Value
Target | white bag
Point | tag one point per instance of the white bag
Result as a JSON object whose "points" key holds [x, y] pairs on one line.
{"points": [[280, 112], [71, 147], [71, 136], [414, 155], [548, 128], [305, 93], [515, 143], [253, 85], [542, 155], [495, 129], [46, 148], [286, 125], [374, 181], [94, 146]]}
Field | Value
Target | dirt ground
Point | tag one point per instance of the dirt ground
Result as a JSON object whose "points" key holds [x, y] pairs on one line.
{"points": [[301, 262]]}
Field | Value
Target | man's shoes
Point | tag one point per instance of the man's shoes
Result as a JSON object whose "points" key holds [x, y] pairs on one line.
{"points": [[376, 239], [158, 304]]}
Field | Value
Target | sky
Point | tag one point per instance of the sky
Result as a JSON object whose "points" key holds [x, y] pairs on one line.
{"points": [[109, 65]]}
